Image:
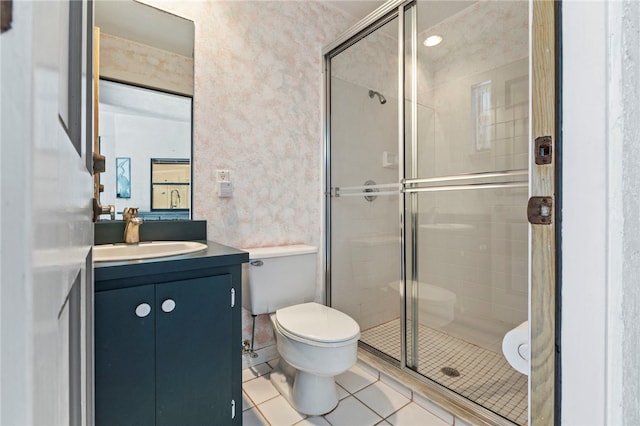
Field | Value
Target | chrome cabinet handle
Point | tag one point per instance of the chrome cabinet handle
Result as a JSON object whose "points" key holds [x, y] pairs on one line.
{"points": [[168, 305], [257, 262], [143, 309]]}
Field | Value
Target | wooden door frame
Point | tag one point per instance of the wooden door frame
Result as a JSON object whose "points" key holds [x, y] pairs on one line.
{"points": [[542, 311]]}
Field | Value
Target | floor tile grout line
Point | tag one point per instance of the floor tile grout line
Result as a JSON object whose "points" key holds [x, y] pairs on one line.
{"points": [[370, 408], [263, 415], [405, 405], [256, 406]]}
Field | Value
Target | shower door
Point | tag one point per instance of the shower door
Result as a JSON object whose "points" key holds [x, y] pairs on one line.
{"points": [[364, 209], [427, 188], [466, 192]]}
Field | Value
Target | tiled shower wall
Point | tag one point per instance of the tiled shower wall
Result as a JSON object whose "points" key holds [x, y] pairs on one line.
{"points": [[365, 237], [485, 264]]}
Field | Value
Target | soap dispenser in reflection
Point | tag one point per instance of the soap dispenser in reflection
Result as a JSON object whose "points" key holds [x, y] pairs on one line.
{"points": [[132, 225]]}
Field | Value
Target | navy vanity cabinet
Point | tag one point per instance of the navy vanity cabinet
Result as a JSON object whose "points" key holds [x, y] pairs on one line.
{"points": [[167, 348], [193, 359], [124, 356], [162, 353]]}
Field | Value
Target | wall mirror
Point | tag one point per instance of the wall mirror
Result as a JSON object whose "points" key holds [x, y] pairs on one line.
{"points": [[144, 108]]}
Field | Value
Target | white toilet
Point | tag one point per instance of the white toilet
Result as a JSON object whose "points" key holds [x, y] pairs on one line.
{"points": [[315, 342]]}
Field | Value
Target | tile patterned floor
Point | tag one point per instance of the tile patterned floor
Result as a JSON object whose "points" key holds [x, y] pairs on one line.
{"points": [[485, 376], [366, 398]]}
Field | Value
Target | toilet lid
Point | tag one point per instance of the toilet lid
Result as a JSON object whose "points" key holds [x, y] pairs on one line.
{"points": [[313, 321]]}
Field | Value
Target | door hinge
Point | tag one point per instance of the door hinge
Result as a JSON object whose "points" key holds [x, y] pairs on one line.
{"points": [[233, 297], [539, 210], [543, 150], [233, 408], [99, 163]]}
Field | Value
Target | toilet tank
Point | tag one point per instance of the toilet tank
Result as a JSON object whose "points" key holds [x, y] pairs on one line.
{"points": [[276, 277]]}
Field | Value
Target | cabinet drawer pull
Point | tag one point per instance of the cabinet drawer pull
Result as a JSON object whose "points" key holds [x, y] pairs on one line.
{"points": [[143, 309], [168, 305]]}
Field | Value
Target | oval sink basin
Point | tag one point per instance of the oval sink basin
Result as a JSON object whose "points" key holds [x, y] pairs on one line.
{"points": [[144, 250]]}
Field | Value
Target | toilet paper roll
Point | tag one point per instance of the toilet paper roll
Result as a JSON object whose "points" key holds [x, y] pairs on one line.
{"points": [[515, 347]]}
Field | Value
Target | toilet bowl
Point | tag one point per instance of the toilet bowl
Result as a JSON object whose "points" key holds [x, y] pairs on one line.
{"points": [[315, 344]]}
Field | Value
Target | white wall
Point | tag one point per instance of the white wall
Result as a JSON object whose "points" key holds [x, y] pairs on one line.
{"points": [[600, 293], [624, 299], [585, 171]]}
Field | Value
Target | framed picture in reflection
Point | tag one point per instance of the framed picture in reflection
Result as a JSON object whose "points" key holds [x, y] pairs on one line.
{"points": [[123, 177]]}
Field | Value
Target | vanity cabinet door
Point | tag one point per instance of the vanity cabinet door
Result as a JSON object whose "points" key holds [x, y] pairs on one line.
{"points": [[194, 350], [124, 356]]}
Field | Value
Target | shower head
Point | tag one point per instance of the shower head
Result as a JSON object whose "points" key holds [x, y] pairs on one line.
{"points": [[381, 98]]}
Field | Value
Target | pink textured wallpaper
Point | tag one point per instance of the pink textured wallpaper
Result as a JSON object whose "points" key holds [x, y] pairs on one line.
{"points": [[257, 112], [126, 60]]}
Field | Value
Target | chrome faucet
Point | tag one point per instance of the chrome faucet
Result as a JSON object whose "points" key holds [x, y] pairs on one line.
{"points": [[132, 225]]}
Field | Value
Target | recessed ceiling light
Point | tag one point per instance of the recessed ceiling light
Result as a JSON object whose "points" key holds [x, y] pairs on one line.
{"points": [[433, 40]]}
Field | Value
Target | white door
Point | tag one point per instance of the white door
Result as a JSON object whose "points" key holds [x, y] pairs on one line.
{"points": [[47, 232]]}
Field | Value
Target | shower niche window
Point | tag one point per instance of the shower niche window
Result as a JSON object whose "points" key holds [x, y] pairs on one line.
{"points": [[481, 115], [170, 184]]}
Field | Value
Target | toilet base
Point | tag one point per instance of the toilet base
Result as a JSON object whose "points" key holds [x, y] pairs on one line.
{"points": [[306, 393]]}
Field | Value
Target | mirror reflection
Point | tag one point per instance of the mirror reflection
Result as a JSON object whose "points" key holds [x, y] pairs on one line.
{"points": [[170, 184], [146, 137], [145, 62]]}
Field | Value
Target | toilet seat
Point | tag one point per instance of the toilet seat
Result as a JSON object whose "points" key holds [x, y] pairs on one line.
{"points": [[317, 325]]}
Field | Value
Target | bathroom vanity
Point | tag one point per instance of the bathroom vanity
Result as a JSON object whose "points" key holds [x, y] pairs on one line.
{"points": [[167, 339]]}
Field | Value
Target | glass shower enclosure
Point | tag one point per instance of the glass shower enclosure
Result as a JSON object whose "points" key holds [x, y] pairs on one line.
{"points": [[427, 185]]}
